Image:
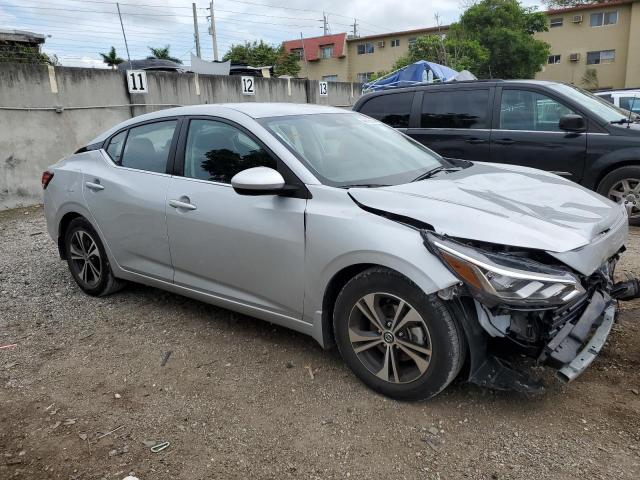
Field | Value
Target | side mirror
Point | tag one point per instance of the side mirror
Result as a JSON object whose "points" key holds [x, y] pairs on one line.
{"points": [[258, 181], [572, 123]]}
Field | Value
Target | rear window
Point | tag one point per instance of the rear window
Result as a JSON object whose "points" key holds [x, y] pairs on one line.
{"points": [[455, 109], [394, 109], [148, 146], [630, 103], [115, 146]]}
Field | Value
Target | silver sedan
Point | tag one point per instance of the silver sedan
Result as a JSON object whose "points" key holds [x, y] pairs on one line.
{"points": [[419, 268]]}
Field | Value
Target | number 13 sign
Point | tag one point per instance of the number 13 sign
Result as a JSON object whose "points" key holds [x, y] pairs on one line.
{"points": [[137, 81]]}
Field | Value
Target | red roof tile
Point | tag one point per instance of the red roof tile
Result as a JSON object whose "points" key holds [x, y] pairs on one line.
{"points": [[312, 45]]}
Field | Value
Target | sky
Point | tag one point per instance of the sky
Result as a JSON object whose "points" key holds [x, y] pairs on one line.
{"points": [[79, 30]]}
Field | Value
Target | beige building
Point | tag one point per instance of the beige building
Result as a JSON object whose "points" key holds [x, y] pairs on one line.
{"points": [[601, 37]]}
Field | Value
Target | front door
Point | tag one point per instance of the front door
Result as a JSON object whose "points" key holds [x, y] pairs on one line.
{"points": [[526, 133], [455, 122], [126, 194], [247, 249]]}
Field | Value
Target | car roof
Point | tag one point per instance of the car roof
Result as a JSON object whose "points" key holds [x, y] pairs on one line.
{"points": [[252, 109]]}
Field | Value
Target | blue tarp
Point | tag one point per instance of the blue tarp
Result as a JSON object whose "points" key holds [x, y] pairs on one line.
{"points": [[411, 74]]}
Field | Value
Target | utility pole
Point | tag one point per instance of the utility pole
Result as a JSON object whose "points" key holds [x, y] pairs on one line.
{"points": [[196, 33], [213, 33], [355, 27], [126, 45], [325, 25]]}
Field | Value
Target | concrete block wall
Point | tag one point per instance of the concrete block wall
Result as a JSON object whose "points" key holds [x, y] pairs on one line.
{"points": [[47, 113]]}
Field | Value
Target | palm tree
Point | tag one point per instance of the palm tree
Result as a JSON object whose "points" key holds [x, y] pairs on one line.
{"points": [[111, 58], [162, 54]]}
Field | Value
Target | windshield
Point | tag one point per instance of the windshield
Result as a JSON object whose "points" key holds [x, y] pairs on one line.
{"points": [[593, 103], [351, 149]]}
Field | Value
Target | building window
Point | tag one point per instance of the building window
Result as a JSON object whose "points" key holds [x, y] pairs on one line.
{"points": [[298, 52], [553, 59], [365, 77], [364, 48], [604, 18], [556, 22], [412, 42], [330, 78], [395, 42], [604, 56], [326, 51]]}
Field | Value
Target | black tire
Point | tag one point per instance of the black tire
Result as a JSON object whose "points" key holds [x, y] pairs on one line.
{"points": [[630, 173], [80, 238], [445, 339]]}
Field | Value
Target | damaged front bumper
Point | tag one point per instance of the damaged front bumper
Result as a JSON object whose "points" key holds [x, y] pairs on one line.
{"points": [[576, 345]]}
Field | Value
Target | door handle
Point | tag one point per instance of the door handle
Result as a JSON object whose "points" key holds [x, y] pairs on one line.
{"points": [[475, 141], [94, 186], [505, 141], [182, 205]]}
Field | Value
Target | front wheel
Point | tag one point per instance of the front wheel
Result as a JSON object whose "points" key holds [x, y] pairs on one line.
{"points": [[395, 338], [623, 186]]}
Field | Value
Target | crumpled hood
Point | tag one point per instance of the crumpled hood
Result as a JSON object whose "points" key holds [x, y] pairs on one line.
{"points": [[503, 204]]}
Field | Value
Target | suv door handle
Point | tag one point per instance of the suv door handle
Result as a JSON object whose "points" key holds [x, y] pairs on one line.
{"points": [[475, 141], [505, 141], [182, 205], [94, 186]]}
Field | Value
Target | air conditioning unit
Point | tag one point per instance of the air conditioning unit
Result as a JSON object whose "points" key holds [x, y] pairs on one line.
{"points": [[577, 19], [381, 44], [574, 57]]}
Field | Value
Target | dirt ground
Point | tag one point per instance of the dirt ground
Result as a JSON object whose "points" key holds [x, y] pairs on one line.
{"points": [[236, 399]]}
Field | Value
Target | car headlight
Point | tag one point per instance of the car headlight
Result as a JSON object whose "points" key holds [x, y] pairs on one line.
{"points": [[501, 278]]}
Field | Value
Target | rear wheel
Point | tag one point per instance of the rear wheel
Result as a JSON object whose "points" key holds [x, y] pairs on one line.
{"points": [[623, 186], [88, 260], [395, 338]]}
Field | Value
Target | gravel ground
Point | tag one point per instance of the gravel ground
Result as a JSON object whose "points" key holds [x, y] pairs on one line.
{"points": [[239, 398]]}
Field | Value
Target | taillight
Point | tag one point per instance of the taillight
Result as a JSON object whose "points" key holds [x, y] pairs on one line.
{"points": [[46, 178]]}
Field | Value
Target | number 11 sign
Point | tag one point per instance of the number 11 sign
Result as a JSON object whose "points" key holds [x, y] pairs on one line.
{"points": [[137, 81]]}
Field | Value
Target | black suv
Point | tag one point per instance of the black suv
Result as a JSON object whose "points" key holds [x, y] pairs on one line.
{"points": [[552, 126]]}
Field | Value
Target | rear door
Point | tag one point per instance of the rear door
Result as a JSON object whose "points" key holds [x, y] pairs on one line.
{"points": [[126, 195], [455, 122], [526, 133]]}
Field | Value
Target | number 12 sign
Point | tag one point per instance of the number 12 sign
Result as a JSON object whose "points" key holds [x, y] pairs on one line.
{"points": [[137, 81]]}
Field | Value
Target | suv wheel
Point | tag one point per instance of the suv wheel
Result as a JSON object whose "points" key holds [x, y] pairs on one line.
{"points": [[87, 259], [623, 186], [395, 338]]}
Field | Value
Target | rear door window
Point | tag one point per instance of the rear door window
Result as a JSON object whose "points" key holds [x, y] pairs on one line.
{"points": [[393, 109], [467, 109], [147, 147], [115, 146]]}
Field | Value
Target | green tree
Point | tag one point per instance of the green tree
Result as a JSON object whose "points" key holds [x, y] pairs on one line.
{"points": [[261, 54], [112, 59], [504, 28], [451, 50], [162, 54], [571, 3], [26, 54], [590, 79]]}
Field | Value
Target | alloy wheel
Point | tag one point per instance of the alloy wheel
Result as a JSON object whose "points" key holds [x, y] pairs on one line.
{"points": [[85, 257], [627, 192], [390, 338]]}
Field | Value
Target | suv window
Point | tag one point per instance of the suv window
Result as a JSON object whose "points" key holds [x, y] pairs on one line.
{"points": [[393, 109], [216, 151], [526, 110], [455, 109], [148, 146], [115, 146], [630, 103]]}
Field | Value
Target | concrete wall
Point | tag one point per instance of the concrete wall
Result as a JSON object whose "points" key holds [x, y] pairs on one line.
{"points": [[33, 135]]}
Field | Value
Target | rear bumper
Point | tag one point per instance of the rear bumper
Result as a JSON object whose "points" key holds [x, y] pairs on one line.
{"points": [[577, 344]]}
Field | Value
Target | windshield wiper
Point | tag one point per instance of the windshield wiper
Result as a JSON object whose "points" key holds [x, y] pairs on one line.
{"points": [[433, 171], [622, 121], [365, 185]]}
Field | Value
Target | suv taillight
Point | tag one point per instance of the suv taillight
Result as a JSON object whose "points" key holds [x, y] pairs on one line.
{"points": [[46, 178]]}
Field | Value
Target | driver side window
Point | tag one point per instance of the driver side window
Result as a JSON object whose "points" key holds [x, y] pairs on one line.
{"points": [[216, 151], [532, 111]]}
